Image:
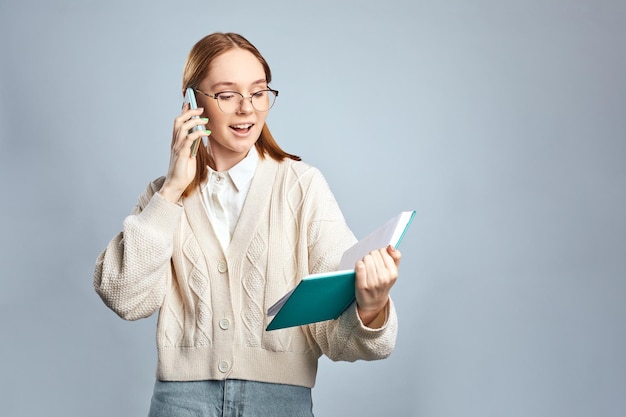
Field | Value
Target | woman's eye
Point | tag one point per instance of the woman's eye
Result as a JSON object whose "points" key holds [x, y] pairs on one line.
{"points": [[225, 96]]}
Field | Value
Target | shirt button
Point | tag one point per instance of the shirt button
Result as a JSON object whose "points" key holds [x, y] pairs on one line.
{"points": [[223, 366], [224, 324], [222, 266]]}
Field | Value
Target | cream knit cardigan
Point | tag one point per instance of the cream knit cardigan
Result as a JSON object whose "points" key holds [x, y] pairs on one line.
{"points": [[212, 305]]}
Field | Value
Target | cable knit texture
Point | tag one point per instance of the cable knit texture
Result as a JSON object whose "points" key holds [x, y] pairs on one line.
{"points": [[212, 304]]}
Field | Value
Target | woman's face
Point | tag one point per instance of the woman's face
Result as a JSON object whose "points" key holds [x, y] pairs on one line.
{"points": [[233, 134]]}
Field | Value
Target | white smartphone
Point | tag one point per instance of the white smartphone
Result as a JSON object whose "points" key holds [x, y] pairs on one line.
{"points": [[190, 98]]}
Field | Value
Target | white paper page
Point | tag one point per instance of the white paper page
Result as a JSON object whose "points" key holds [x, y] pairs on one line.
{"points": [[388, 234]]}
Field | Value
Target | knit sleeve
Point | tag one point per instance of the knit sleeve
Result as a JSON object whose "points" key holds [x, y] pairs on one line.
{"points": [[347, 338], [131, 274]]}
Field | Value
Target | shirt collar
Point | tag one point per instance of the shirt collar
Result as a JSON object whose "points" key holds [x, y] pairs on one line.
{"points": [[242, 173]]}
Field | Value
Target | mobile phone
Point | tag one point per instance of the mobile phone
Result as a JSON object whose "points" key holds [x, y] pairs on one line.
{"points": [[190, 98]]}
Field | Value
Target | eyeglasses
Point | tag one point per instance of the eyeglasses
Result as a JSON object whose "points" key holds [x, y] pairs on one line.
{"points": [[231, 101]]}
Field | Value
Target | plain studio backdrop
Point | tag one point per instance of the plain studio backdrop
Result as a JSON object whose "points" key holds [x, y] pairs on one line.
{"points": [[502, 123]]}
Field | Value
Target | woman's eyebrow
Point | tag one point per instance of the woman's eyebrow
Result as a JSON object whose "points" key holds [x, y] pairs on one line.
{"points": [[222, 84], [229, 84]]}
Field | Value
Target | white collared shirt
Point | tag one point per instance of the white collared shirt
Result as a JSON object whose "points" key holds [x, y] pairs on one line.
{"points": [[223, 195]]}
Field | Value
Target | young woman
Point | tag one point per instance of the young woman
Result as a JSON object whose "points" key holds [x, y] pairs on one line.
{"points": [[223, 236]]}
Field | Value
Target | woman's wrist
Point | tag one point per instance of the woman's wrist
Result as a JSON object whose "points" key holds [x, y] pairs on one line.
{"points": [[373, 319], [171, 194]]}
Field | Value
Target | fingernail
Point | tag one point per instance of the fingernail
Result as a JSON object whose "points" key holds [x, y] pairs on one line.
{"points": [[204, 119], [208, 132]]}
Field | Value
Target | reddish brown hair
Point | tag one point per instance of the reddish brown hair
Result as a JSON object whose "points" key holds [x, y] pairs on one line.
{"points": [[196, 69]]}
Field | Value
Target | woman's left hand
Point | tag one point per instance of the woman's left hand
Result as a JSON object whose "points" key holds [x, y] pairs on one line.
{"points": [[375, 275]]}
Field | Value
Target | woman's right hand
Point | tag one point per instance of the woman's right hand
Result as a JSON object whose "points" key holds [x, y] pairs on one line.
{"points": [[182, 168]]}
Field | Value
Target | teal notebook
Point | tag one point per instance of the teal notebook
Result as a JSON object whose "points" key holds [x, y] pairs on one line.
{"points": [[320, 297]]}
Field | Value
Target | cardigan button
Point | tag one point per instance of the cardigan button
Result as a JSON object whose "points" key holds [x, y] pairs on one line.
{"points": [[222, 266], [224, 324], [223, 366]]}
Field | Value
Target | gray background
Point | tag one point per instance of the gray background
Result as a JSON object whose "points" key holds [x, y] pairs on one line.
{"points": [[502, 123]]}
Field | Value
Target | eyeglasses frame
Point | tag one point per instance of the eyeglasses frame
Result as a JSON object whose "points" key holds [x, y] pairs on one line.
{"points": [[216, 96]]}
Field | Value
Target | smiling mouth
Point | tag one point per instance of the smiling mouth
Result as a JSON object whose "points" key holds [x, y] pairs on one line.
{"points": [[242, 128]]}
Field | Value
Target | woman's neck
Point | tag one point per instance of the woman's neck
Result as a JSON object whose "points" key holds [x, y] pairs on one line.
{"points": [[222, 163]]}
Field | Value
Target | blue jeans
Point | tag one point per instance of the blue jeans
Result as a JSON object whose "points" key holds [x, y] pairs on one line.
{"points": [[230, 398]]}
